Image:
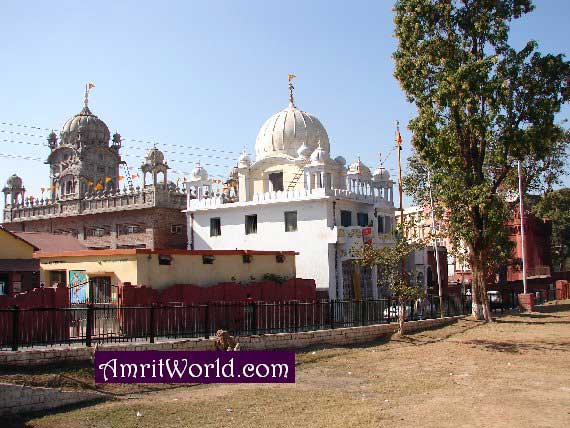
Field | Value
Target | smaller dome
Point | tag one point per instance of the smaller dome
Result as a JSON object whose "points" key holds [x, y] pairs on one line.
{"points": [[359, 168], [14, 182], [320, 155], [154, 157], [340, 160], [381, 174], [199, 173], [304, 151], [244, 160], [233, 173]]}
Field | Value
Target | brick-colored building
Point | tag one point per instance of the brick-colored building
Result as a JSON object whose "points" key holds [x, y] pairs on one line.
{"points": [[85, 198]]}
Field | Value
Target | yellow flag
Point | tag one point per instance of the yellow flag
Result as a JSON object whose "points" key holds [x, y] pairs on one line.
{"points": [[99, 186], [43, 189], [291, 77], [107, 179], [121, 177]]}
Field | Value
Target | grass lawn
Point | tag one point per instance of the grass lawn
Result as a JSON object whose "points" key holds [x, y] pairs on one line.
{"points": [[511, 373]]}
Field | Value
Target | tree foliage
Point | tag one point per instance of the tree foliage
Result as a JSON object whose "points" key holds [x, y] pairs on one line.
{"points": [[556, 207], [389, 260], [481, 106]]}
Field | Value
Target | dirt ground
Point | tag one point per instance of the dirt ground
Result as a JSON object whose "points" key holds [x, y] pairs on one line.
{"points": [[511, 373]]}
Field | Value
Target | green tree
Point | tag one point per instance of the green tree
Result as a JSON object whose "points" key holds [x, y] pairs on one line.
{"points": [[481, 106], [389, 260], [556, 207]]}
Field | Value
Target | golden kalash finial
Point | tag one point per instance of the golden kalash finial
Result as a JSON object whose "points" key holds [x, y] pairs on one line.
{"points": [[291, 87]]}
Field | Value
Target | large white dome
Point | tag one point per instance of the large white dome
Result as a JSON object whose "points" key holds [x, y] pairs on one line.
{"points": [[286, 131]]}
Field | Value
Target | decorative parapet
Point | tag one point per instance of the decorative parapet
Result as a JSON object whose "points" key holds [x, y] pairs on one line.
{"points": [[286, 196], [101, 201]]}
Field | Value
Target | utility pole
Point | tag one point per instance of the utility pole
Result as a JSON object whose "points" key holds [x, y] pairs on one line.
{"points": [[521, 207], [436, 251], [399, 144]]}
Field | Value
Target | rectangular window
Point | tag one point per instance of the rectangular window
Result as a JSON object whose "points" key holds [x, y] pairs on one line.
{"points": [[164, 259], [215, 226], [381, 224], [280, 258], [362, 219], [276, 182], [290, 221], [387, 224], [246, 258], [208, 260], [177, 229], [250, 224], [346, 218]]}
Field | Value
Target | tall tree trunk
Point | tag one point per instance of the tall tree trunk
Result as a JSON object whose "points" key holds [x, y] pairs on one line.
{"points": [[480, 309], [402, 317]]}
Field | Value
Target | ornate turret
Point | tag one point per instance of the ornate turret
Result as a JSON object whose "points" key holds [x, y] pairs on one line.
{"points": [[52, 140], [155, 164], [14, 187]]}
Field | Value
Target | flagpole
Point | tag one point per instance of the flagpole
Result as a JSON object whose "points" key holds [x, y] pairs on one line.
{"points": [[399, 143], [435, 249], [521, 207]]}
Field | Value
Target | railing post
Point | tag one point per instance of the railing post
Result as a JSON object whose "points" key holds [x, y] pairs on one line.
{"points": [[253, 318], [297, 315], [331, 313], [151, 323], [89, 325], [207, 321], [15, 327]]}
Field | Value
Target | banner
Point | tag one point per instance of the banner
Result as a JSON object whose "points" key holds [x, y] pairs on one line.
{"points": [[78, 283]]}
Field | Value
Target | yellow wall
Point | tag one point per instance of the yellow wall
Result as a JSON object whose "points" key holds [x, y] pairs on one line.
{"points": [[189, 269], [14, 248], [143, 269], [123, 268]]}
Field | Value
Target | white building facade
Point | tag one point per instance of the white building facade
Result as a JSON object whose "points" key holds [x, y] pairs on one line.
{"points": [[296, 197]]}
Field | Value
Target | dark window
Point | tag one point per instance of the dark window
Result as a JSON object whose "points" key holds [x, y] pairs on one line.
{"points": [[250, 224], [246, 258], [280, 258], [387, 224], [215, 226], [381, 224], [164, 259], [362, 219], [290, 221], [208, 260], [345, 218], [176, 229], [276, 180]]}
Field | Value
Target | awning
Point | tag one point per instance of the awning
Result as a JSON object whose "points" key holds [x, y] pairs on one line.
{"points": [[19, 265]]}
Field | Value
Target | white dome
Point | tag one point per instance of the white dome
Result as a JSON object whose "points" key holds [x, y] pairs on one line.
{"points": [[381, 174], [304, 151], [199, 173], [359, 168], [319, 155], [244, 161], [286, 131]]}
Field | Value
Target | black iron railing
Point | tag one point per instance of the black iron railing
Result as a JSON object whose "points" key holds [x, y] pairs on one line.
{"points": [[107, 323]]}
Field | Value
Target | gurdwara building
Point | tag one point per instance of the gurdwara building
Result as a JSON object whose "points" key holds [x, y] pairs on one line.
{"points": [[296, 196]]}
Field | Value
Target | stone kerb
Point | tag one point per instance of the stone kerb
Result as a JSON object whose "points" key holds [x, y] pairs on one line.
{"points": [[338, 336], [22, 399]]}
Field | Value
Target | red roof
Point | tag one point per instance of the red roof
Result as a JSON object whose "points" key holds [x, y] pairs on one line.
{"points": [[119, 252], [48, 242]]}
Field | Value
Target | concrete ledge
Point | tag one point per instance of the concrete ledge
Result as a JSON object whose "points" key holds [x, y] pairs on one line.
{"points": [[339, 336], [23, 399]]}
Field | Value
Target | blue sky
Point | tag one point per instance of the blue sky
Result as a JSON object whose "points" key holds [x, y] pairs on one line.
{"points": [[208, 73]]}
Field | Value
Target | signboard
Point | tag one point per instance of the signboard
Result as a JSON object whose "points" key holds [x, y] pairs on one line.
{"points": [[367, 235], [78, 284]]}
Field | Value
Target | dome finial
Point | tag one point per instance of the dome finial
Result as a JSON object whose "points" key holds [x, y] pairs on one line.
{"points": [[88, 87], [291, 87]]}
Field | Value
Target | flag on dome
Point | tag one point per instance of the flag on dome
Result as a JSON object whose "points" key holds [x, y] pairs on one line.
{"points": [[90, 85], [291, 77]]}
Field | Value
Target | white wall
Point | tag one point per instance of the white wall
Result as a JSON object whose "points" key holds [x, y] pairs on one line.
{"points": [[311, 240]]}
